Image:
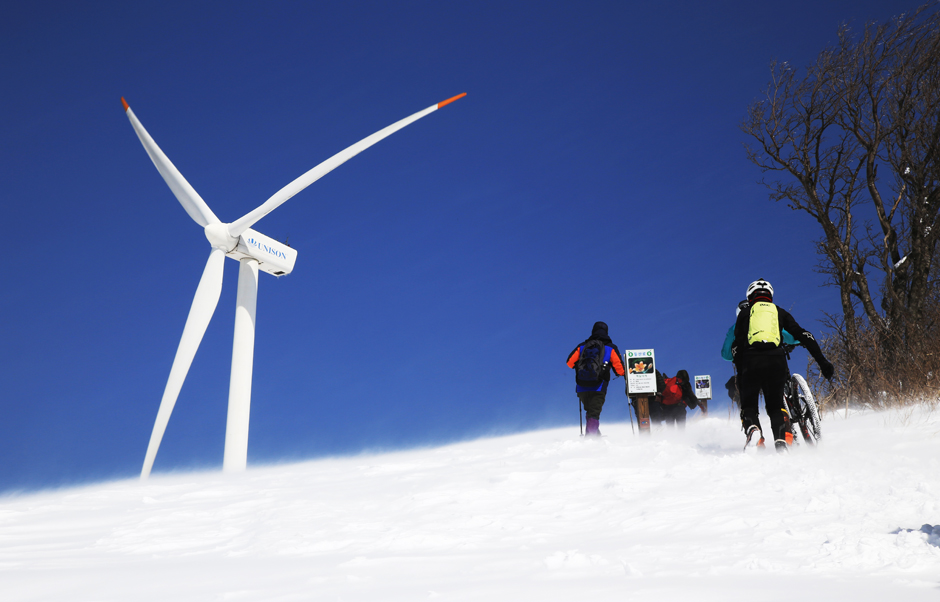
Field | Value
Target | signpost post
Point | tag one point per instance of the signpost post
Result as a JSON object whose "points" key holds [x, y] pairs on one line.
{"points": [[641, 383]]}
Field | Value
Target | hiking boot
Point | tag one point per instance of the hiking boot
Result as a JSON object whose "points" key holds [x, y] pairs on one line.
{"points": [[781, 446], [755, 436], [593, 427]]}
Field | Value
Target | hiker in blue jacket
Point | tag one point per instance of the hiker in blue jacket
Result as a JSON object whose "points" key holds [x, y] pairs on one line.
{"points": [[592, 361]]}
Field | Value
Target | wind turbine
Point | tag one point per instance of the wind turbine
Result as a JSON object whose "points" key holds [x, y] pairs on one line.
{"points": [[254, 251]]}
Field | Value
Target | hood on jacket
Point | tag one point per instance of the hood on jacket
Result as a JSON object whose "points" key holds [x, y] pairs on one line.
{"points": [[599, 333]]}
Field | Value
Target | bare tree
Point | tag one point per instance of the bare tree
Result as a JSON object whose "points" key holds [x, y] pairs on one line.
{"points": [[854, 141]]}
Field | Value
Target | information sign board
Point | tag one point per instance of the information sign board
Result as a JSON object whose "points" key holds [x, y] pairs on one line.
{"points": [[703, 387], [641, 371]]}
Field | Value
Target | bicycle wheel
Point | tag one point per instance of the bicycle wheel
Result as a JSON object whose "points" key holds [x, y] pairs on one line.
{"points": [[791, 406], [810, 425]]}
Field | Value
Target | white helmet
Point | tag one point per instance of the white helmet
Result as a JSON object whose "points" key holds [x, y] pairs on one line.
{"points": [[758, 285]]}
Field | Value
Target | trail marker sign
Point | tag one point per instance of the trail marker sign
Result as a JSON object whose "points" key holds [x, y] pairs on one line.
{"points": [[703, 387], [641, 372]]}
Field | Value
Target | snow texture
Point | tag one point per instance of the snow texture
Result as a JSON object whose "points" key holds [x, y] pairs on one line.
{"points": [[546, 515]]}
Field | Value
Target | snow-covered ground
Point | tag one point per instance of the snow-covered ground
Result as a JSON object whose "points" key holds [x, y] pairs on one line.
{"points": [[543, 515]]}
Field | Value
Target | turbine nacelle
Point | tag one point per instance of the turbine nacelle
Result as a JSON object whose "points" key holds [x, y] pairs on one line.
{"points": [[273, 257]]}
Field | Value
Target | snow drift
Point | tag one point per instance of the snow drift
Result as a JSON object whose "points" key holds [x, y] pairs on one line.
{"points": [[545, 515]]}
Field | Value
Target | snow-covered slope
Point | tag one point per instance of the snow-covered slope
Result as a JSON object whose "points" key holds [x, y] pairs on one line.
{"points": [[539, 516]]}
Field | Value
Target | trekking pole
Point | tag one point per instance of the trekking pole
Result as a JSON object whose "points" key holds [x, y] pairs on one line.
{"points": [[626, 387], [580, 423], [731, 405]]}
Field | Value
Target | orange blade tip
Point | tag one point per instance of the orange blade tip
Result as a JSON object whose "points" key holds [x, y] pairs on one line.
{"points": [[124, 102], [450, 100]]}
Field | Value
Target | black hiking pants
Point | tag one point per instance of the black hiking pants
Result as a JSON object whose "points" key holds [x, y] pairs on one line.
{"points": [[767, 374], [593, 402], [656, 410], [674, 414]]}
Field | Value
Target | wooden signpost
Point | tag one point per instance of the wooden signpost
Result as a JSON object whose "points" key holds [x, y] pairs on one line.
{"points": [[643, 413]]}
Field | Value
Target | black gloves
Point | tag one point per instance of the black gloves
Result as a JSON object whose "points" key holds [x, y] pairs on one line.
{"points": [[826, 369]]}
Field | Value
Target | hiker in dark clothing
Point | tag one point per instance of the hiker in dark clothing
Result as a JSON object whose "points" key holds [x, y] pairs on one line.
{"points": [[731, 385], [677, 396], [592, 361], [761, 362]]}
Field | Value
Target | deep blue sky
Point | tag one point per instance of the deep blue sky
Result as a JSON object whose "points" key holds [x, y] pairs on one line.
{"points": [[595, 171]]}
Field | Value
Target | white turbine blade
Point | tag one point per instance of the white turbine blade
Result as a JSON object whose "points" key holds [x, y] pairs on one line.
{"points": [[186, 194], [237, 227], [207, 297]]}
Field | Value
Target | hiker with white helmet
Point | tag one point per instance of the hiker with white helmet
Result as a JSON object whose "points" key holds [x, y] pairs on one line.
{"points": [[731, 385], [761, 362]]}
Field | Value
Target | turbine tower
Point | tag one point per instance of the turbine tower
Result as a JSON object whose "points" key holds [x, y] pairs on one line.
{"points": [[254, 251]]}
